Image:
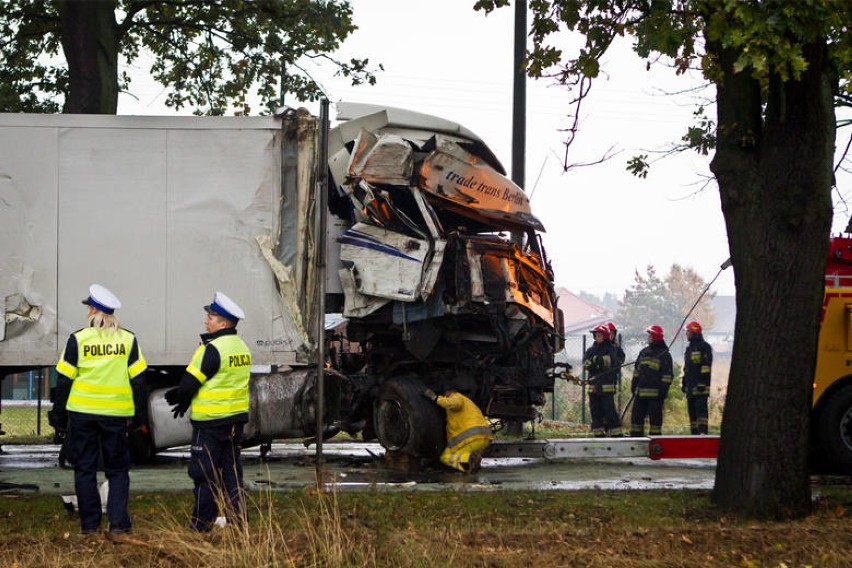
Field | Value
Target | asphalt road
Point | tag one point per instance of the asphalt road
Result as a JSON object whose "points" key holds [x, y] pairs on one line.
{"points": [[363, 466]]}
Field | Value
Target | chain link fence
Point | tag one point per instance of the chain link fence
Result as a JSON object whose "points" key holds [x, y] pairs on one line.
{"points": [[567, 406], [24, 404], [569, 402]]}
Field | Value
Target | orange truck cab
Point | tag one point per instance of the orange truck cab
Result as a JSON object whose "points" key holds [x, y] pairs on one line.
{"points": [[831, 419]]}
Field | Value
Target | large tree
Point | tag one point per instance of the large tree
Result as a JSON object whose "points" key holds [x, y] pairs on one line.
{"points": [[666, 302], [209, 55], [777, 67]]}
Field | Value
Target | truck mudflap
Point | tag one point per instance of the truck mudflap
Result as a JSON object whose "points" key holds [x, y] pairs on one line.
{"points": [[657, 447]]}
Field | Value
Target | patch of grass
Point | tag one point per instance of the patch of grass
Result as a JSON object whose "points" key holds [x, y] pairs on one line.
{"points": [[506, 529]]}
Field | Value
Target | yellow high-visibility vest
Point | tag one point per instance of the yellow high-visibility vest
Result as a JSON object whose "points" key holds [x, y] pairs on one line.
{"points": [[226, 392], [101, 379]]}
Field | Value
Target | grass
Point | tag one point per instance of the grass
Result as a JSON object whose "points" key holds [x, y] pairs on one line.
{"points": [[505, 529]]}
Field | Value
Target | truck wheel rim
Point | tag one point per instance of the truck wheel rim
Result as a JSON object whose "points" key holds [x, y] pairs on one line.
{"points": [[392, 424]]}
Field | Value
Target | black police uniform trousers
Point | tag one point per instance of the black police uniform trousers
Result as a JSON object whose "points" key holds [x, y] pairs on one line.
{"points": [[215, 468], [88, 436]]}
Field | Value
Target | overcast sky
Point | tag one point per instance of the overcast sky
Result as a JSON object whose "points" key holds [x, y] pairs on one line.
{"points": [[443, 58]]}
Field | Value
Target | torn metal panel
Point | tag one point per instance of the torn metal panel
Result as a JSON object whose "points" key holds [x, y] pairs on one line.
{"points": [[387, 159], [18, 315], [384, 264], [411, 125], [356, 304]]}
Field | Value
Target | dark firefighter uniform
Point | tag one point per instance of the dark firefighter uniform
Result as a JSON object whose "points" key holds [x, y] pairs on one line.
{"points": [[215, 387], [697, 362], [468, 432], [652, 377], [601, 362], [100, 364]]}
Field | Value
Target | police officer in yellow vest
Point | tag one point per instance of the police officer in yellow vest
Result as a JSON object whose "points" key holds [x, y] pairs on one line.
{"points": [[100, 361], [468, 432], [215, 386]]}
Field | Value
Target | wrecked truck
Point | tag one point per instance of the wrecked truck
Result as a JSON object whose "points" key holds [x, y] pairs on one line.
{"points": [[433, 258]]}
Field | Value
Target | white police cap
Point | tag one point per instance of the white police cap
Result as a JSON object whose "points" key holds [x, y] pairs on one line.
{"points": [[224, 306], [102, 299]]}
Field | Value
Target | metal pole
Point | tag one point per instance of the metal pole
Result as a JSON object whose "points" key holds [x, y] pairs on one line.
{"points": [[519, 95], [583, 393], [320, 260], [38, 404]]}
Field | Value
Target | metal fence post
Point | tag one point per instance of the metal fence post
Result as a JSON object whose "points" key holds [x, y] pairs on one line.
{"points": [[39, 393], [583, 393]]}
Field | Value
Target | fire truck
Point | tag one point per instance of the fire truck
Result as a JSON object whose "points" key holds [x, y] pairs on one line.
{"points": [[831, 419]]}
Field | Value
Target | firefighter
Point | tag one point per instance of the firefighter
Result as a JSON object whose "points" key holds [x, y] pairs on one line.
{"points": [[652, 377], [616, 340], [95, 375], [613, 336], [601, 362], [468, 432], [215, 389], [697, 361]]}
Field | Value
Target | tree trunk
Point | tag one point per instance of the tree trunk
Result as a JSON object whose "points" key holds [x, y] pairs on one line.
{"points": [[91, 49], [773, 164]]}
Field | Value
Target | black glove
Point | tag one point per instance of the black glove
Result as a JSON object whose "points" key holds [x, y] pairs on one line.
{"points": [[178, 403], [180, 409], [172, 396], [430, 394], [58, 419]]}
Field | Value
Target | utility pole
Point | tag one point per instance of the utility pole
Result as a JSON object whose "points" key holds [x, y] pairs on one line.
{"points": [[519, 127], [519, 95]]}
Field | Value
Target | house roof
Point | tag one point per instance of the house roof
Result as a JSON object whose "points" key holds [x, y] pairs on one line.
{"points": [[725, 314], [580, 315]]}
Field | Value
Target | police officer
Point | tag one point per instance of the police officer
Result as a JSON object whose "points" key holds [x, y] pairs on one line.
{"points": [[652, 377], [601, 362], [215, 387], [697, 361], [468, 432], [95, 372]]}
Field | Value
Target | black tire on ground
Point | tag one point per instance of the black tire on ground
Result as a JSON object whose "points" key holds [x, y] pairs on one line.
{"points": [[835, 431], [407, 422]]}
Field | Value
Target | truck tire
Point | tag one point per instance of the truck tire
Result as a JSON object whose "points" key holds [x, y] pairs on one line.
{"points": [[407, 422], [835, 431]]}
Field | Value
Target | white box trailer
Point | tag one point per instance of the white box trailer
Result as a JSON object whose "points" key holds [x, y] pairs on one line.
{"points": [[162, 211]]}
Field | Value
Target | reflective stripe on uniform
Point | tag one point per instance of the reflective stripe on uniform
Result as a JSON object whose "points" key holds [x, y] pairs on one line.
{"points": [[649, 393], [468, 435]]}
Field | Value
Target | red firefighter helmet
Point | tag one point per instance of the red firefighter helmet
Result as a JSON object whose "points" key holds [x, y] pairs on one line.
{"points": [[693, 326], [655, 331], [612, 329], [601, 329]]}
